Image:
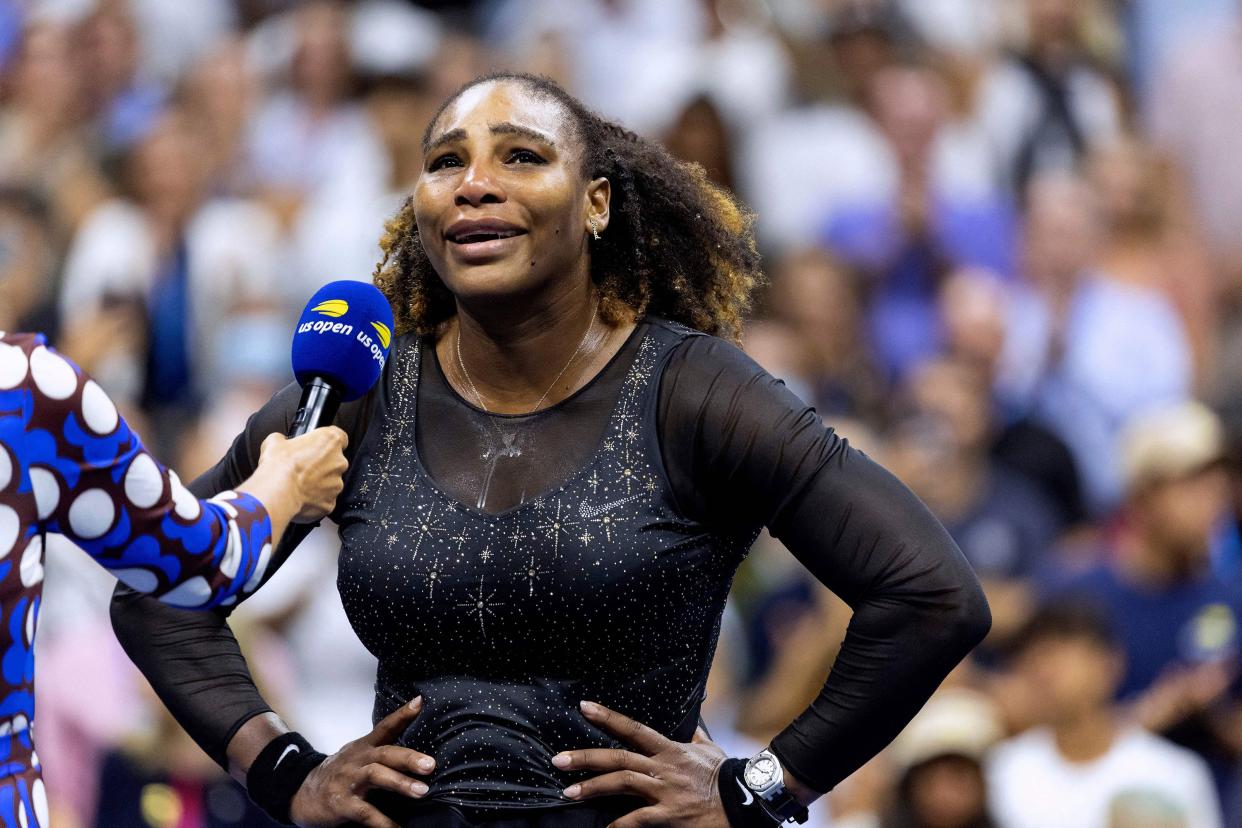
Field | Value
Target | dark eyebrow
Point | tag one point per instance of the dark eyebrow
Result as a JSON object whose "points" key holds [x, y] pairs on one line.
{"points": [[447, 138], [504, 128], [507, 128]]}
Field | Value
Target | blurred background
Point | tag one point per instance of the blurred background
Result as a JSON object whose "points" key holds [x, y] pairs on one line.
{"points": [[1004, 239]]}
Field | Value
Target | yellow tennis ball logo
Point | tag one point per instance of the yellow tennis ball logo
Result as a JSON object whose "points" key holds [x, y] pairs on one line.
{"points": [[1215, 628], [332, 307], [385, 335]]}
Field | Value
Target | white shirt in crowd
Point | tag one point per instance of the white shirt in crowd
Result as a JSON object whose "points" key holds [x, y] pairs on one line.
{"points": [[1010, 105], [1031, 785], [1124, 351], [661, 49], [801, 168], [232, 251]]}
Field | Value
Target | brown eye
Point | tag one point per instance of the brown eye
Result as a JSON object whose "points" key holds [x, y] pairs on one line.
{"points": [[446, 160], [525, 156]]}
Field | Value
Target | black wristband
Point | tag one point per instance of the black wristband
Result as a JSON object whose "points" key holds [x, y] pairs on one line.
{"points": [[278, 771], [742, 808]]}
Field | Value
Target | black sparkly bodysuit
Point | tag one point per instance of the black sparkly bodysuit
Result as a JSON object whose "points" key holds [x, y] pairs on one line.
{"points": [[595, 589], [509, 567]]}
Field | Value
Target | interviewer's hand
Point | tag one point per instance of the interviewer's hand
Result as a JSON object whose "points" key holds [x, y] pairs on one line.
{"points": [[299, 479], [335, 792], [678, 780]]}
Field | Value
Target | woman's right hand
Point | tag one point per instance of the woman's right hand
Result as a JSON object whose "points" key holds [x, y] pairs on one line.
{"points": [[335, 792]]}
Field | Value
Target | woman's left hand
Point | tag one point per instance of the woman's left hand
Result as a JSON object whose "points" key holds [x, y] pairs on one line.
{"points": [[678, 780]]}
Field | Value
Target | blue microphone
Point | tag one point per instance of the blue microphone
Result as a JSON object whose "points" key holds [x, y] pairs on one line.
{"points": [[339, 348]]}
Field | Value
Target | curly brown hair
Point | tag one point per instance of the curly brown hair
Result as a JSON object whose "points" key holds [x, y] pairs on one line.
{"points": [[677, 246]]}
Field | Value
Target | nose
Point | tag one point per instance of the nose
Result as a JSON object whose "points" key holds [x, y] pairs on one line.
{"points": [[478, 187]]}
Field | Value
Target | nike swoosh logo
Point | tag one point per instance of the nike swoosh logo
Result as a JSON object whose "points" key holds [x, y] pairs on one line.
{"points": [[589, 512], [749, 796], [287, 751]]}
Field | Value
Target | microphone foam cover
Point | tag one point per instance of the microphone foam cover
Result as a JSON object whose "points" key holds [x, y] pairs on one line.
{"points": [[343, 336]]}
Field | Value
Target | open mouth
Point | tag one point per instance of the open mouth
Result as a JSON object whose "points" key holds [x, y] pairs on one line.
{"points": [[481, 230], [478, 236]]}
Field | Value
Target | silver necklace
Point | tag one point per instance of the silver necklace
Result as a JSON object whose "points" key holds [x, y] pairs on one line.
{"points": [[461, 363]]}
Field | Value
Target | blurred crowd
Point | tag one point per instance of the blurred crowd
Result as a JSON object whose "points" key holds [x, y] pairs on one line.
{"points": [[1004, 258]]}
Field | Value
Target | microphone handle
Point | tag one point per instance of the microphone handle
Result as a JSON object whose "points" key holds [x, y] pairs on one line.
{"points": [[318, 406]]}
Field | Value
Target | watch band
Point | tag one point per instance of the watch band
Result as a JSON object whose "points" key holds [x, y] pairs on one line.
{"points": [[785, 807]]}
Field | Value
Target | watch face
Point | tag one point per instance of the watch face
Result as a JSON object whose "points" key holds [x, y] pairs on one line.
{"points": [[761, 772]]}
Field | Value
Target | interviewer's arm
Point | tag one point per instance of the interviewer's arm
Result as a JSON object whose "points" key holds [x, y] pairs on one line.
{"points": [[192, 659], [94, 482]]}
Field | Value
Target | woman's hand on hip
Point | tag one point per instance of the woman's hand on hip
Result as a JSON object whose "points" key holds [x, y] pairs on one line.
{"points": [[335, 792], [678, 780]]}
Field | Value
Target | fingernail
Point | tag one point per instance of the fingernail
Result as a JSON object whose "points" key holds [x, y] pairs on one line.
{"points": [[416, 702], [562, 760], [588, 707], [419, 788], [427, 764], [572, 791]]}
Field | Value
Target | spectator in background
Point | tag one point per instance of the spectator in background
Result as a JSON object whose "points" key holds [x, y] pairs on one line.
{"points": [[28, 263], [668, 51], [221, 92], [399, 56], [1178, 620], [459, 59], [964, 32], [932, 774], [828, 150], [334, 237], [123, 103], [314, 137], [172, 262], [864, 38], [43, 145], [1002, 522], [1086, 352], [1045, 106], [939, 762], [1148, 242], [812, 337], [1229, 556], [700, 135], [1083, 766], [1157, 29], [175, 36], [1195, 116], [941, 213], [973, 308], [596, 42]]}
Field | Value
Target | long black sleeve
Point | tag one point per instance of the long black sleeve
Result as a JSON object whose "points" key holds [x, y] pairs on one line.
{"points": [[740, 446], [191, 658]]}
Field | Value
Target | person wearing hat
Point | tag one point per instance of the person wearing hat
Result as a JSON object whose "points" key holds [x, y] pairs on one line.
{"points": [[940, 757], [1177, 618], [1084, 765]]}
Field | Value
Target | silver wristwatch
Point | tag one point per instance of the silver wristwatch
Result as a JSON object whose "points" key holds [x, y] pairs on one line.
{"points": [[764, 776]]}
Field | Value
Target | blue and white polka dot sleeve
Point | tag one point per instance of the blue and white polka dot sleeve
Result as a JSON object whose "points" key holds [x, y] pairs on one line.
{"points": [[70, 464]]}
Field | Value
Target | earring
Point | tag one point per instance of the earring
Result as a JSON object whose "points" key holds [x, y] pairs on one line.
{"points": [[594, 227]]}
